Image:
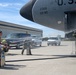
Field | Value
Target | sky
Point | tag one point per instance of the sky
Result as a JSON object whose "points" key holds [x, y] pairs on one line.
{"points": [[9, 12]]}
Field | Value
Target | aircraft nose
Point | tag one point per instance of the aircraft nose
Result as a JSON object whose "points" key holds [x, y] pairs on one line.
{"points": [[26, 10]]}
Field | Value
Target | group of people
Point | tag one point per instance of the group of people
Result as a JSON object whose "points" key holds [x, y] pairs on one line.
{"points": [[5, 47]]}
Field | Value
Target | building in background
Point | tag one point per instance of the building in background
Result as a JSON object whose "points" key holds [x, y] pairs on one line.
{"points": [[8, 28]]}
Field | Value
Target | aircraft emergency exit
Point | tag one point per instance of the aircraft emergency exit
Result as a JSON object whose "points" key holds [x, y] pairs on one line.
{"points": [[57, 14]]}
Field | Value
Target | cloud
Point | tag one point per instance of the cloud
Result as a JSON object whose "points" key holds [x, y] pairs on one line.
{"points": [[10, 4], [3, 5]]}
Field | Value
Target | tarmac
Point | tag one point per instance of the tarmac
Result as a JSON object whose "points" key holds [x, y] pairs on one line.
{"points": [[45, 60]]}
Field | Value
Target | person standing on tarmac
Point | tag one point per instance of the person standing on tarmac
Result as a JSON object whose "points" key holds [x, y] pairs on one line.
{"points": [[26, 45]]}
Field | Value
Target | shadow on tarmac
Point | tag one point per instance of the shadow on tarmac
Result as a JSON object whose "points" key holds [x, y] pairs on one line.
{"points": [[72, 56], [12, 54], [36, 59], [63, 45], [12, 67], [58, 46]]}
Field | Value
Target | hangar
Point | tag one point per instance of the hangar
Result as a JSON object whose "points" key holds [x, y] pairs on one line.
{"points": [[8, 28]]}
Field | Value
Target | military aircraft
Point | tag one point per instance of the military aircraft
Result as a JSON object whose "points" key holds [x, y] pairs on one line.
{"points": [[57, 14]]}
